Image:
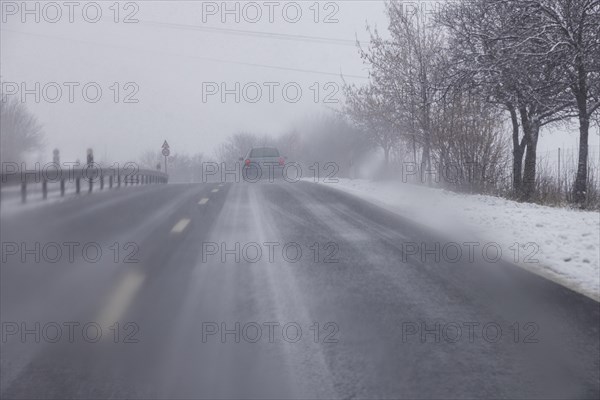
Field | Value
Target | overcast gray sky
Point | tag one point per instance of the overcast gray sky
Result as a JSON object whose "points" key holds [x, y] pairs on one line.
{"points": [[176, 53]]}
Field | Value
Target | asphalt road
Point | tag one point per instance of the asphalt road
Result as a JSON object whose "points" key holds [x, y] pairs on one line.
{"points": [[320, 299]]}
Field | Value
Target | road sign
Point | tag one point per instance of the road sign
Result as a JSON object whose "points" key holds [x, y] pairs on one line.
{"points": [[165, 152]]}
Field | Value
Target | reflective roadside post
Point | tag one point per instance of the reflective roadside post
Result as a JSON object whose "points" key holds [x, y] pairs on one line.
{"points": [[90, 162]]}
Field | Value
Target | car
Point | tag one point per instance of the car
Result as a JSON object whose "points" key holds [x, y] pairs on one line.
{"points": [[262, 163]]}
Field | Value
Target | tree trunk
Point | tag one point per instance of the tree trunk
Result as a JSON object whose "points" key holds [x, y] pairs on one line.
{"points": [[414, 143], [425, 164], [530, 131], [580, 187], [386, 153], [518, 151], [528, 188]]}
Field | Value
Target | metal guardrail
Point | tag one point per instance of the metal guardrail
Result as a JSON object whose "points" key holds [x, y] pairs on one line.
{"points": [[111, 177]]}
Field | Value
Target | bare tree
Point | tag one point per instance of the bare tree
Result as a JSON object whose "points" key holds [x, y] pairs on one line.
{"points": [[237, 146], [151, 159], [372, 112], [20, 132], [329, 139], [407, 72], [495, 47], [569, 35], [470, 146], [182, 167]]}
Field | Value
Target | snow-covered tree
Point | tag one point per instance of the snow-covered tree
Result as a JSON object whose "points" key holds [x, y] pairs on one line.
{"points": [[494, 46], [569, 37]]}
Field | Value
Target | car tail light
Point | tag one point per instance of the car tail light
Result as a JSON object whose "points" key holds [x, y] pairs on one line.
{"points": [[281, 161], [247, 162]]}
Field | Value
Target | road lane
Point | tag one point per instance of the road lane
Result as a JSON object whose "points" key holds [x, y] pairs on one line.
{"points": [[77, 291], [373, 292], [351, 275]]}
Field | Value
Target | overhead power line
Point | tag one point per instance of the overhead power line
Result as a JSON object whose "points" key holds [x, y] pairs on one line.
{"points": [[275, 67], [262, 34]]}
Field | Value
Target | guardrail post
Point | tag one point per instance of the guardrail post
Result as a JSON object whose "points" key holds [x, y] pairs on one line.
{"points": [[141, 177], [23, 192]]}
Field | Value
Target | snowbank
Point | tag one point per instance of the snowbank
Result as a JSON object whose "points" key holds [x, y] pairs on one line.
{"points": [[558, 243]]}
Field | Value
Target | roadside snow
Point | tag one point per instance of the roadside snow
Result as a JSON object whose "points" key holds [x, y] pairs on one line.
{"points": [[562, 244]]}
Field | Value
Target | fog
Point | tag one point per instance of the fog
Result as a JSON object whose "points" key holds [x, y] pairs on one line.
{"points": [[299, 200], [169, 54]]}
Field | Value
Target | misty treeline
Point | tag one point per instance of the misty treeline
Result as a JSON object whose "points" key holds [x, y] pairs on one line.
{"points": [[326, 144], [181, 167], [465, 91], [20, 132]]}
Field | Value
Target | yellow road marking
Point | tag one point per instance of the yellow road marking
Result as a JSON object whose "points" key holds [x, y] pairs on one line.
{"points": [[120, 299], [181, 225]]}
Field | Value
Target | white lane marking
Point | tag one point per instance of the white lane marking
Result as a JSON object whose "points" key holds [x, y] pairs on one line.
{"points": [[215, 190], [181, 225], [120, 299], [204, 200], [220, 184]]}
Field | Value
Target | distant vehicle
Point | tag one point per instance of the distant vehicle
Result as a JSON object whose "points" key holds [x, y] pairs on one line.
{"points": [[263, 163]]}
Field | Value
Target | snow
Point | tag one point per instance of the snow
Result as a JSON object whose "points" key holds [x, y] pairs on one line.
{"points": [[564, 244], [10, 203]]}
